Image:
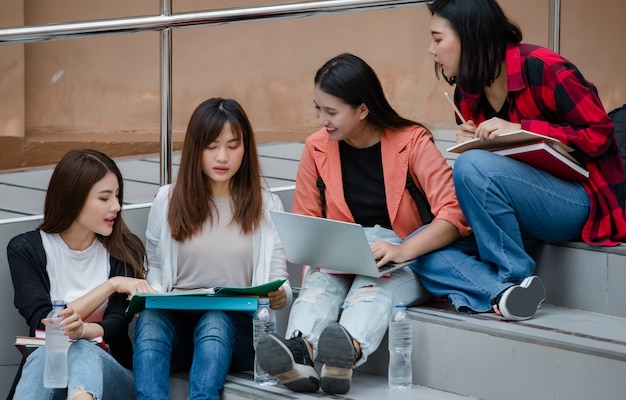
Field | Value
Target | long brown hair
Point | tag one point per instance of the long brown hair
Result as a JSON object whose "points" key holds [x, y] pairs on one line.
{"points": [[191, 202], [73, 177]]}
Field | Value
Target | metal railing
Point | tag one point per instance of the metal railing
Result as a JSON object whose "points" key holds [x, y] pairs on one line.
{"points": [[555, 25], [168, 21]]}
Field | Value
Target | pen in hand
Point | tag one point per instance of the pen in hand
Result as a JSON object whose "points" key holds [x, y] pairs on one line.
{"points": [[456, 110]]}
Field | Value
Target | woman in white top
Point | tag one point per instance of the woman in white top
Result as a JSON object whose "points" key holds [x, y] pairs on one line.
{"points": [[84, 254], [211, 228]]}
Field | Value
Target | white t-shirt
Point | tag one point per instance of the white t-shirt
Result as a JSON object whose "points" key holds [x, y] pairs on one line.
{"points": [[74, 273]]}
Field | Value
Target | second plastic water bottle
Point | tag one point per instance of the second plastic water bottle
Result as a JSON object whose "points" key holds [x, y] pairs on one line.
{"points": [[57, 345], [264, 322], [400, 374]]}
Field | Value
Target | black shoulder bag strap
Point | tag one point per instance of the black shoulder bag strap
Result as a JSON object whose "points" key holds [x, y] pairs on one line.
{"points": [[322, 188], [420, 200]]}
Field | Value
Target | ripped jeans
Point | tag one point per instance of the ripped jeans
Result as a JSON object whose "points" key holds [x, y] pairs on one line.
{"points": [[361, 304], [90, 368]]}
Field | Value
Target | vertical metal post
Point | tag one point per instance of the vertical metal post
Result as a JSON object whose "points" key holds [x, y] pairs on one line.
{"points": [[166, 98], [555, 25]]}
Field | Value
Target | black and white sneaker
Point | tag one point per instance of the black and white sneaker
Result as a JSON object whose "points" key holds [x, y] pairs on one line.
{"points": [[288, 361], [337, 353], [520, 302]]}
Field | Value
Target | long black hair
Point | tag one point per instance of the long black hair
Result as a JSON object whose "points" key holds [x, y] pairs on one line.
{"points": [[484, 32], [351, 79]]}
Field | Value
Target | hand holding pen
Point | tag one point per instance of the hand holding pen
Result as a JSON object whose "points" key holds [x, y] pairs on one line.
{"points": [[462, 135]]}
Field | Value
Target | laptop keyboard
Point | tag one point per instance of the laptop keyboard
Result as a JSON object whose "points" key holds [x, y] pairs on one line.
{"points": [[386, 267]]}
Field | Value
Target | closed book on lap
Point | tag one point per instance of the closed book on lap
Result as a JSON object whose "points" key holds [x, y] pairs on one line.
{"points": [[26, 344], [547, 157]]}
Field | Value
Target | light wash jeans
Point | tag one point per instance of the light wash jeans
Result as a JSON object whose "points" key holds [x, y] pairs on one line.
{"points": [[361, 304], [509, 206], [208, 341], [89, 368]]}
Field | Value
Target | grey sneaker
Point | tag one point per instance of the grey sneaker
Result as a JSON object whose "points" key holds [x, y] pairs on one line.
{"points": [[338, 355], [520, 302], [288, 361]]}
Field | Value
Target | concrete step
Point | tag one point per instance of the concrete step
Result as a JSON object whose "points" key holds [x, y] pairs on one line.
{"points": [[560, 354], [364, 387]]}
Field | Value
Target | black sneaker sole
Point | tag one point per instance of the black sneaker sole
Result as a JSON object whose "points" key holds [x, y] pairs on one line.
{"points": [[336, 352], [276, 359], [523, 301]]}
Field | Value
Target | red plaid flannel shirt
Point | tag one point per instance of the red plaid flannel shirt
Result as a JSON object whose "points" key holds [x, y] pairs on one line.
{"points": [[549, 96]]}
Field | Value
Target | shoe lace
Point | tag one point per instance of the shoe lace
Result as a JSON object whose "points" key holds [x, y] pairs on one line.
{"points": [[299, 349]]}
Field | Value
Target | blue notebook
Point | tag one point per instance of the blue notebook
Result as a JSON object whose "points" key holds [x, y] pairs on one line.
{"points": [[219, 298]]}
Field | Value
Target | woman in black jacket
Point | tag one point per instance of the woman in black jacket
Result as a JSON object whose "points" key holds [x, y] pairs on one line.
{"points": [[84, 254]]}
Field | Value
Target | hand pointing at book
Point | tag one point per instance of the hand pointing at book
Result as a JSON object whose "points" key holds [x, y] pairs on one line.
{"points": [[130, 286]]}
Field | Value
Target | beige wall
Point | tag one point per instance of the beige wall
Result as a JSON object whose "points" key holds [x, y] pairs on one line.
{"points": [[12, 76], [106, 90]]}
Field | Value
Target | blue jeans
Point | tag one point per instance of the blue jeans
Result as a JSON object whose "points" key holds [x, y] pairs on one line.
{"points": [[207, 343], [361, 304], [90, 369], [509, 206]]}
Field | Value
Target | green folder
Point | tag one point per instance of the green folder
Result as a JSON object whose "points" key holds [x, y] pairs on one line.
{"points": [[260, 290], [219, 298]]}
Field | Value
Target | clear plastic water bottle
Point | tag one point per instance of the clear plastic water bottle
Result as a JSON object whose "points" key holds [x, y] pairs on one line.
{"points": [[57, 344], [400, 374], [264, 322]]}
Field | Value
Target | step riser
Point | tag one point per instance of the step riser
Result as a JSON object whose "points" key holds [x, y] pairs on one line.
{"points": [[583, 279], [493, 368]]}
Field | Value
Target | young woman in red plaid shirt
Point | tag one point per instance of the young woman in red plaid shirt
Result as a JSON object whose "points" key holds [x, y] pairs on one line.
{"points": [[503, 85]]}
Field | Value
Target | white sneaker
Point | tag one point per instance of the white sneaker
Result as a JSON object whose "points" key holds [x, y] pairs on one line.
{"points": [[520, 302]]}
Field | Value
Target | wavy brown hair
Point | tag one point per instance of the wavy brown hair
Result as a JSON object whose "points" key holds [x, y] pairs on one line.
{"points": [[73, 178], [191, 202]]}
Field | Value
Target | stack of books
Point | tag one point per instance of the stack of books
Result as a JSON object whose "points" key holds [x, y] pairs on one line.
{"points": [[542, 152]]}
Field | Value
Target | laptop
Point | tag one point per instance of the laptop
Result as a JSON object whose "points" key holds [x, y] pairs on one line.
{"points": [[338, 246]]}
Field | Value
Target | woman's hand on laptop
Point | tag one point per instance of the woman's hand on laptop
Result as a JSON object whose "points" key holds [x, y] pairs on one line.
{"points": [[385, 253]]}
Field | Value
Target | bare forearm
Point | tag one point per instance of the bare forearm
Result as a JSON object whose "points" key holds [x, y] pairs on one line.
{"points": [[88, 303], [436, 235]]}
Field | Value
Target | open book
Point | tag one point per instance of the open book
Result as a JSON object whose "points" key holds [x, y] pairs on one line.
{"points": [[218, 298], [507, 140]]}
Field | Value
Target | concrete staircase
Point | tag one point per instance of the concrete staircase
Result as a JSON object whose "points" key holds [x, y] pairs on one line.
{"points": [[575, 348]]}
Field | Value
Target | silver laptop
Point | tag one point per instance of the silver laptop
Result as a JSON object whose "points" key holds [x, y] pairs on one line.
{"points": [[326, 243]]}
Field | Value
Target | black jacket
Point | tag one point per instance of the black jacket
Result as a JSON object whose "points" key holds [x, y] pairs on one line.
{"points": [[27, 262]]}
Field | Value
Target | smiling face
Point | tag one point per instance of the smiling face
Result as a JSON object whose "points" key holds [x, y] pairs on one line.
{"points": [[341, 120], [445, 46], [100, 209], [221, 160]]}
